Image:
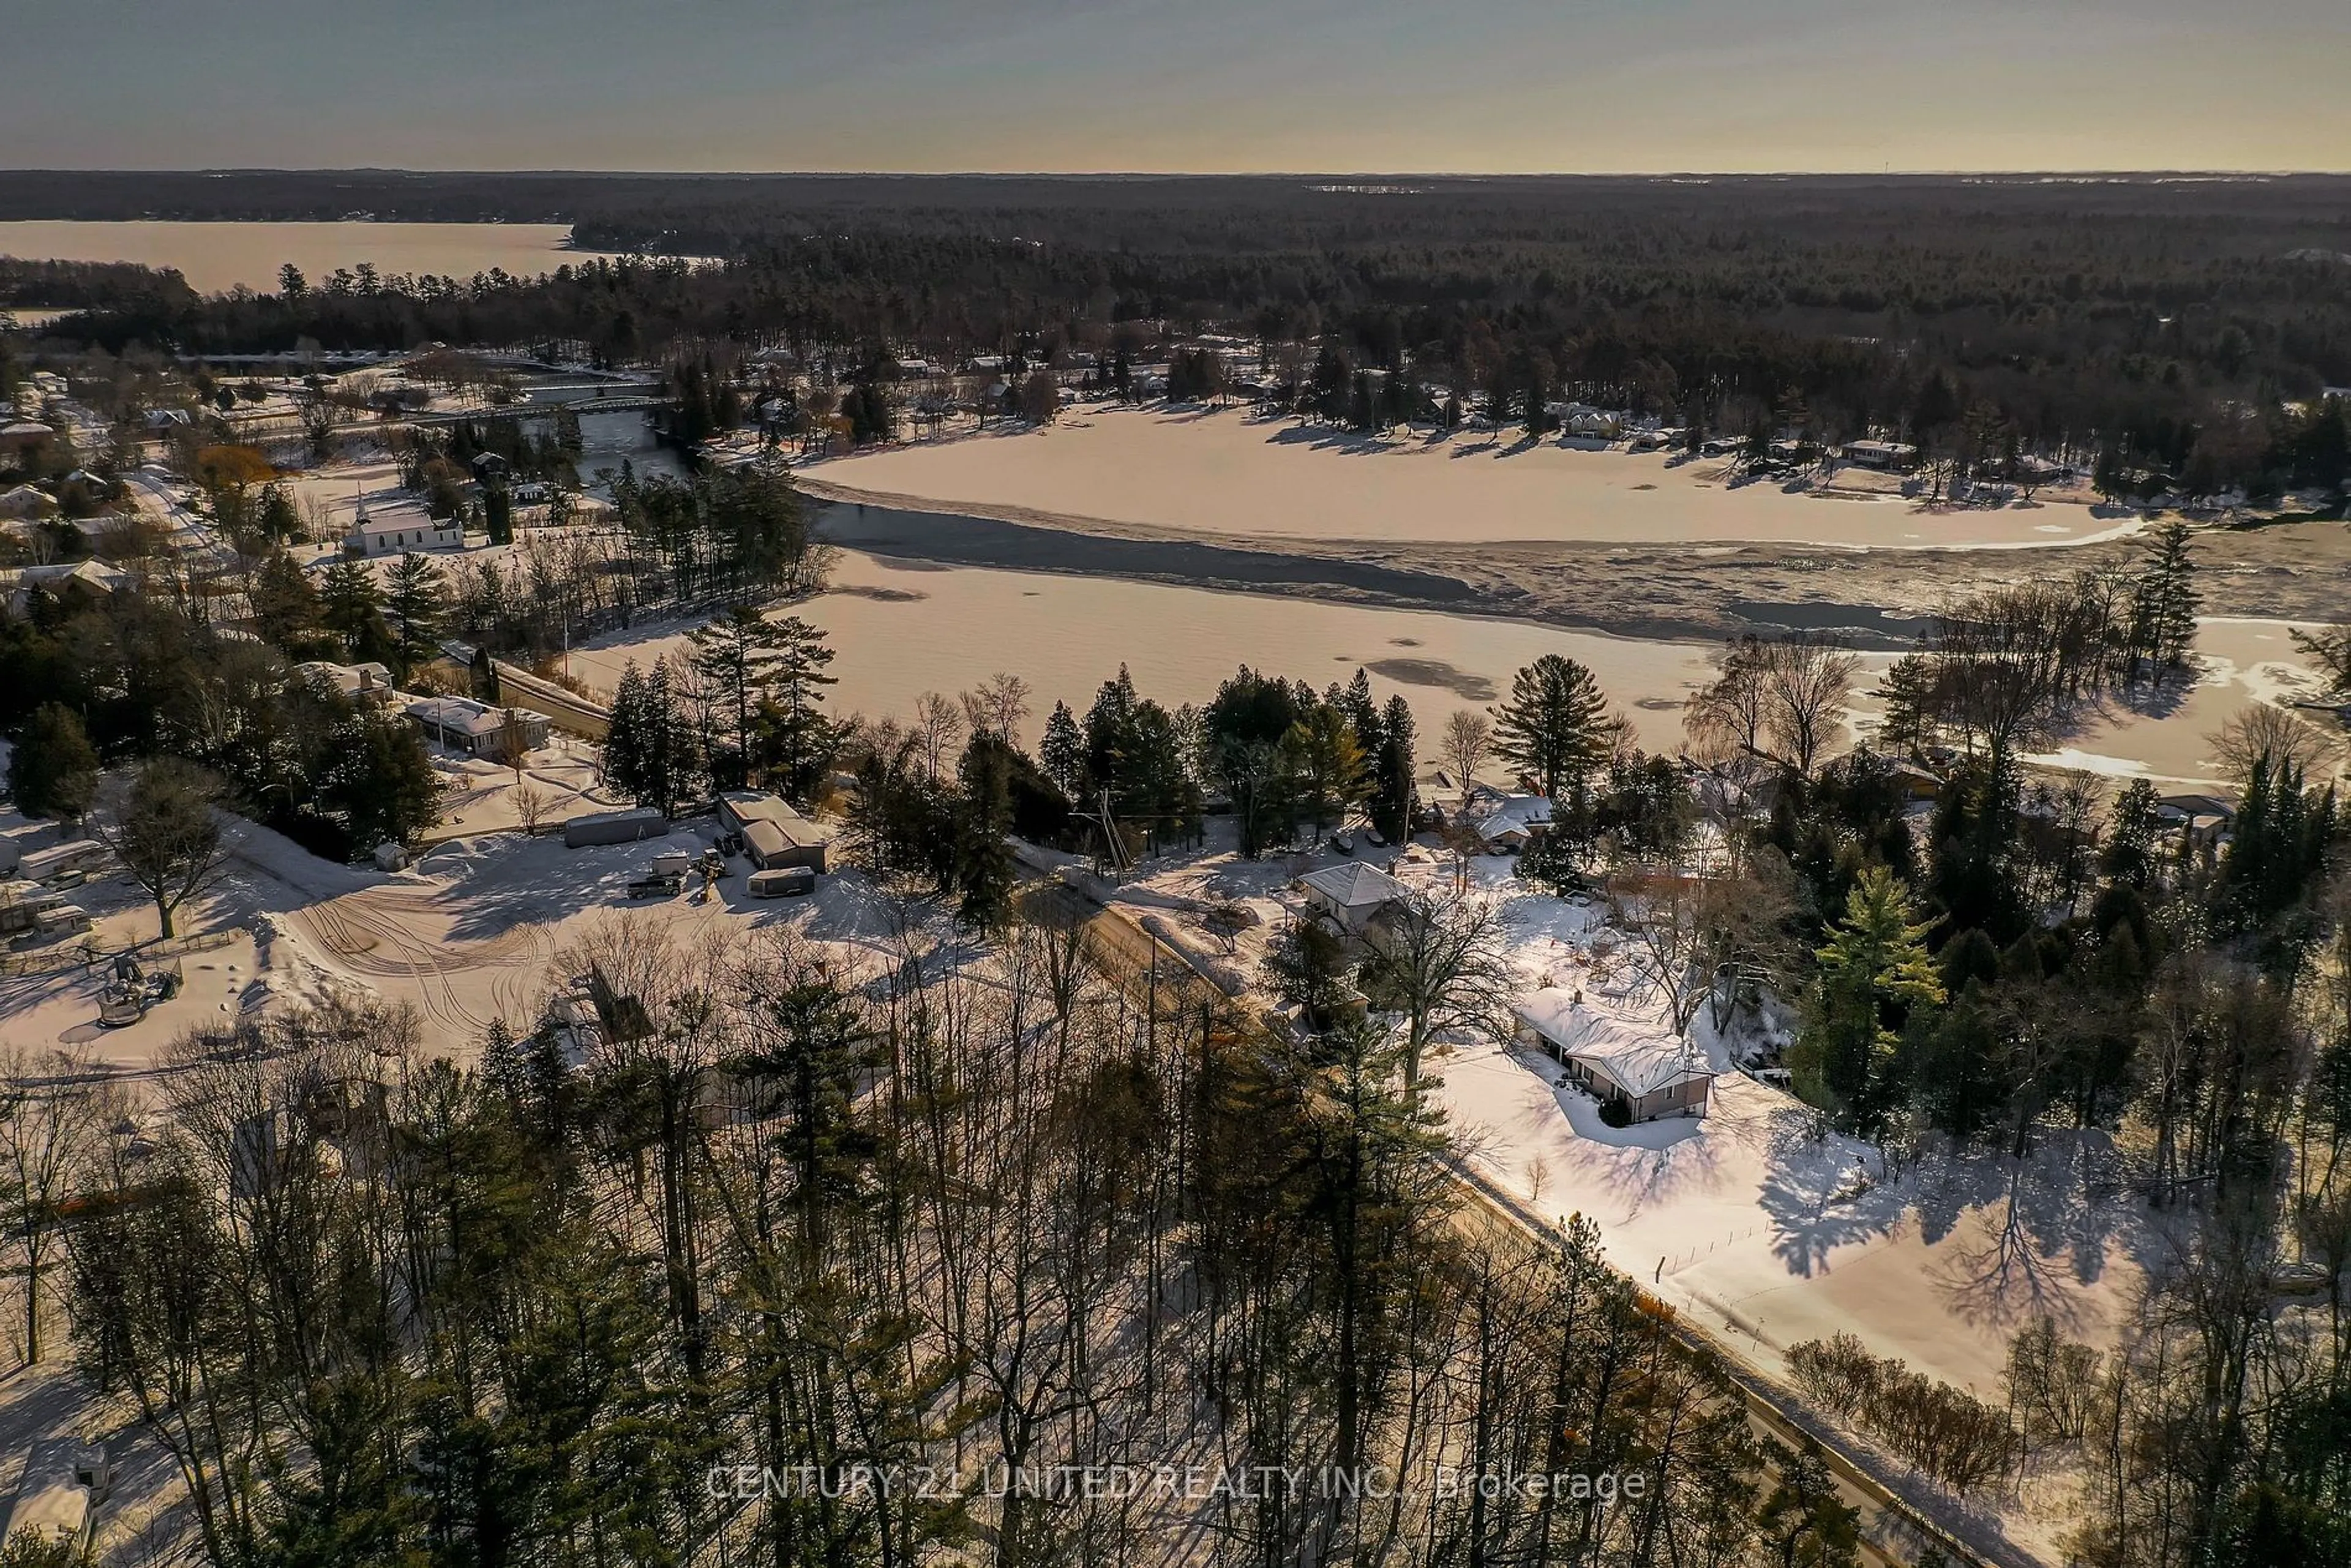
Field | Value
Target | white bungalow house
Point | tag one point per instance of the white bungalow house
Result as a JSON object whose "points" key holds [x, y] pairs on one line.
{"points": [[399, 528], [1650, 1073], [1352, 895]]}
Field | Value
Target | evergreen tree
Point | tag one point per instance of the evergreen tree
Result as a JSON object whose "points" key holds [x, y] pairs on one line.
{"points": [[984, 864], [652, 753], [2129, 856], [53, 771], [1329, 762], [628, 742], [1874, 973], [497, 514], [1803, 1522], [503, 1067], [1062, 751], [797, 740], [1908, 690], [287, 612], [276, 519], [1392, 796], [2163, 605], [739, 656], [1554, 728], [351, 607], [378, 783], [416, 608]]}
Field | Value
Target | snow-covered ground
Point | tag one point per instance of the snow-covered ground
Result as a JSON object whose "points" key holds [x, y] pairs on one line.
{"points": [[465, 936]]}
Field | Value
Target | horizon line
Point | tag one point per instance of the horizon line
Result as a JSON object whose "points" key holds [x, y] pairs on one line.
{"points": [[2213, 173]]}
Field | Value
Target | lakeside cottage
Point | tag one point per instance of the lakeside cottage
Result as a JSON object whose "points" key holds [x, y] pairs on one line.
{"points": [[1650, 1074], [1892, 456]]}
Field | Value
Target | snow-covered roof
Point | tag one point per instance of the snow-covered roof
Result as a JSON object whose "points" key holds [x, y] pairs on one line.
{"points": [[1637, 1060], [1355, 885], [350, 679], [462, 716], [1515, 815]]}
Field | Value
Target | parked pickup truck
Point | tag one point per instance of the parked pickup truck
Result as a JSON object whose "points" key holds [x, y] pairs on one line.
{"points": [[657, 881]]}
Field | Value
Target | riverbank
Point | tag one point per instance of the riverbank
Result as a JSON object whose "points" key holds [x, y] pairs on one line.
{"points": [[1876, 599]]}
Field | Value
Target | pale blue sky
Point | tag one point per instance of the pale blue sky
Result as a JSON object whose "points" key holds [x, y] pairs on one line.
{"points": [[1200, 85]]}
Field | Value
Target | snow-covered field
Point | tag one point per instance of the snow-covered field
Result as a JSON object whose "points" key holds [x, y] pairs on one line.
{"points": [[1233, 473]]}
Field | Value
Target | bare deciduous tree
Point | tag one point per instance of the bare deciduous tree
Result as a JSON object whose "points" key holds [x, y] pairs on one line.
{"points": [[1807, 681], [48, 1120], [530, 804], [998, 706], [1780, 700], [162, 825], [2263, 731], [1439, 963], [1466, 741], [939, 724]]}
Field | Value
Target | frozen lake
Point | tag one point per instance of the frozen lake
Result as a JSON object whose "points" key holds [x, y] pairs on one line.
{"points": [[214, 258]]}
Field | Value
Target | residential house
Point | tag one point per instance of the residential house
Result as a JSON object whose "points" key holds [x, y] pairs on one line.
{"points": [[60, 581], [23, 502], [368, 683], [476, 729], [1351, 895], [1891, 456], [775, 836], [23, 436], [2204, 819], [1648, 1072], [1507, 824]]}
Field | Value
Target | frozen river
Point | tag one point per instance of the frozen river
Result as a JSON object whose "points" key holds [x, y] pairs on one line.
{"points": [[902, 627]]}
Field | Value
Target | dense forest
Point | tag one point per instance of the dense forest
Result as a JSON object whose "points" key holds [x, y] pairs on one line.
{"points": [[2172, 325]]}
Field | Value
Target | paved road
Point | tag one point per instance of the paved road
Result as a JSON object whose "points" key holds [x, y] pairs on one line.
{"points": [[189, 533], [1894, 1533]]}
